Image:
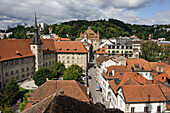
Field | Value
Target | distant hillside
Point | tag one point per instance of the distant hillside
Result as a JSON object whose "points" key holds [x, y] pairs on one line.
{"points": [[108, 29]]}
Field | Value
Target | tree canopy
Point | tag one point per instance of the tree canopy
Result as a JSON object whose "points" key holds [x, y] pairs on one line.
{"points": [[41, 75], [73, 72], [58, 69], [151, 51]]}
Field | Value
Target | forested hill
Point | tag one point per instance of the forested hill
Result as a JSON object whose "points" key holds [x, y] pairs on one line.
{"points": [[108, 29]]}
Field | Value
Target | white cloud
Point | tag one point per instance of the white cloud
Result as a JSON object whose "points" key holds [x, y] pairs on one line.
{"points": [[52, 11]]}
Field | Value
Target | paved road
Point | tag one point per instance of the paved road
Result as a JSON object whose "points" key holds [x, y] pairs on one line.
{"points": [[97, 97]]}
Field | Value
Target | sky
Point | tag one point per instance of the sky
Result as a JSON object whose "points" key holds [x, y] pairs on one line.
{"points": [[146, 12]]}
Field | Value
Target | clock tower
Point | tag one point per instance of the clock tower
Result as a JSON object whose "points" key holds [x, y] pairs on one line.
{"points": [[36, 47]]}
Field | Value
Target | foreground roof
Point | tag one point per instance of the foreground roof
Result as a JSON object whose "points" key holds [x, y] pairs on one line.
{"points": [[56, 103], [68, 87], [70, 47], [143, 93]]}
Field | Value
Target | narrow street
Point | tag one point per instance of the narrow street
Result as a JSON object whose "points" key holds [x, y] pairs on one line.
{"points": [[93, 85]]}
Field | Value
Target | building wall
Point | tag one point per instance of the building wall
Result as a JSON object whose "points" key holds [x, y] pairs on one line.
{"points": [[95, 44], [38, 52], [49, 60], [73, 58], [147, 75], [1, 73], [139, 107], [19, 69]]}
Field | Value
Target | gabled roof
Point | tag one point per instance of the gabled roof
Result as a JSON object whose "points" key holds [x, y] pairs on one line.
{"points": [[70, 47], [71, 88], [57, 103], [159, 77], [102, 50], [142, 93], [165, 67], [138, 65], [14, 48], [129, 78], [19, 48]]}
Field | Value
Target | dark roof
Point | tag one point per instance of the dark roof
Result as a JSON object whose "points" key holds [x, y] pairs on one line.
{"points": [[56, 103]]}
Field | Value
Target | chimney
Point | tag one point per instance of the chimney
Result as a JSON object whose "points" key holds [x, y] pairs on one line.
{"points": [[157, 69], [161, 69], [46, 79], [113, 72]]}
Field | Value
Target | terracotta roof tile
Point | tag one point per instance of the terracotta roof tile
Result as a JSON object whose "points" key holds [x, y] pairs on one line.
{"points": [[70, 47], [62, 39], [102, 50], [138, 65], [14, 48], [71, 88], [142, 93]]}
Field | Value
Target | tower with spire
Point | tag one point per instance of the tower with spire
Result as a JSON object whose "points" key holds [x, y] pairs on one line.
{"points": [[36, 47]]}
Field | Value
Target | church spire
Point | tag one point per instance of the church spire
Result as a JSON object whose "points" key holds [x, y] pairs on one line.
{"points": [[36, 37]]}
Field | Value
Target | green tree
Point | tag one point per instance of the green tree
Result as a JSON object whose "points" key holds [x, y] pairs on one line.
{"points": [[41, 75], [58, 69], [143, 37], [73, 72], [4, 37], [151, 51], [6, 109], [11, 91]]}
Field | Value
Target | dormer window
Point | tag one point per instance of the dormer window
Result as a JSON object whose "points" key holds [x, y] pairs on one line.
{"points": [[67, 49], [60, 49], [75, 49], [110, 74]]}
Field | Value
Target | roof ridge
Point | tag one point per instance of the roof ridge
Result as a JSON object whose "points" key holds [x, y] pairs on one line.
{"points": [[77, 83]]}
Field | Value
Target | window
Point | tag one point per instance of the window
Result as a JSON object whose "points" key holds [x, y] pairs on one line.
{"points": [[132, 109], [146, 109], [162, 78], [121, 104], [28, 74], [27, 68], [16, 62], [158, 109], [58, 57], [68, 57], [49, 63], [68, 61], [130, 47], [22, 69], [11, 63], [117, 47], [6, 64], [73, 61], [102, 51], [109, 51], [23, 76], [122, 47], [17, 78], [7, 80], [110, 74], [72, 57], [22, 61], [6, 74], [12, 72]]}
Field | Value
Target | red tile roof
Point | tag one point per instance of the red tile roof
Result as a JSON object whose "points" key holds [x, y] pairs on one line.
{"points": [[102, 50], [142, 63], [166, 67], [162, 77], [70, 47], [62, 39], [70, 87], [18, 48], [129, 78], [14, 48], [142, 93]]}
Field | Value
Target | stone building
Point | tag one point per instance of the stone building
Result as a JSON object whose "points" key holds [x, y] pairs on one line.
{"points": [[20, 58], [72, 52]]}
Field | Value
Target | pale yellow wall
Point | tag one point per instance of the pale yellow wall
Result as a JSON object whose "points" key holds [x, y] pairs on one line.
{"points": [[69, 59]]}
